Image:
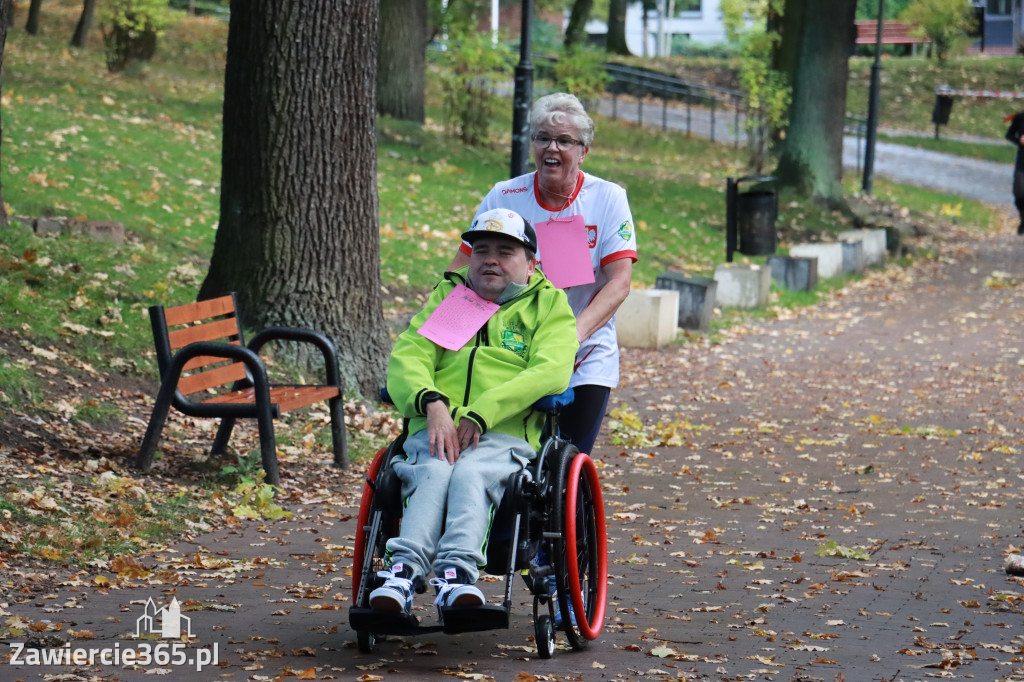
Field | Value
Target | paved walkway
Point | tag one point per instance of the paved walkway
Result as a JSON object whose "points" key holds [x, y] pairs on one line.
{"points": [[985, 181], [828, 496]]}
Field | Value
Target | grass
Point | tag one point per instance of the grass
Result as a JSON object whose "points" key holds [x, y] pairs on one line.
{"points": [[1001, 152], [907, 92]]}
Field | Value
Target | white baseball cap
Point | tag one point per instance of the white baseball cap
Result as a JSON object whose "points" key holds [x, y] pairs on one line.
{"points": [[506, 223]]}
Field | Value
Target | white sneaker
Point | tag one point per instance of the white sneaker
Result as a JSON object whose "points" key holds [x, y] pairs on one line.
{"points": [[455, 594], [395, 594]]}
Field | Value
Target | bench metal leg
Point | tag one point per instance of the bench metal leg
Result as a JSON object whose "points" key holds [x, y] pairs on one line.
{"points": [[156, 426], [220, 441], [338, 434], [268, 447]]}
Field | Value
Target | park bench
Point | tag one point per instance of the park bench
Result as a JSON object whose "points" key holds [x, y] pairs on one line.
{"points": [[207, 370], [893, 33]]}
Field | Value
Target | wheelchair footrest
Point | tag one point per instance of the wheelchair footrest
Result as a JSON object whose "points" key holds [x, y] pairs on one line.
{"points": [[475, 618], [382, 622]]}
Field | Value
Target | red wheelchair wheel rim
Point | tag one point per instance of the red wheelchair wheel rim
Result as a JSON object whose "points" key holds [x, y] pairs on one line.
{"points": [[590, 629]]}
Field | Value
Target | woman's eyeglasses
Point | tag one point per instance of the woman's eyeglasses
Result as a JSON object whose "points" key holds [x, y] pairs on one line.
{"points": [[563, 142]]}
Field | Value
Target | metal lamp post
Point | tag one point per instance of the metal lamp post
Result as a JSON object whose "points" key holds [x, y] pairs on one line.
{"points": [[522, 98], [876, 75]]}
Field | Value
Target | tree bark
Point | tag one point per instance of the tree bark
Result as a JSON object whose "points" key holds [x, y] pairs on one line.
{"points": [[814, 52], [84, 24], [6, 14], [298, 237], [401, 59], [617, 27], [32, 25], [576, 30]]}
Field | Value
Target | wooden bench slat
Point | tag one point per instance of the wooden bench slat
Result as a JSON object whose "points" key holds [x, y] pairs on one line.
{"points": [[893, 33], [218, 330], [204, 360], [212, 378], [201, 310], [287, 398]]}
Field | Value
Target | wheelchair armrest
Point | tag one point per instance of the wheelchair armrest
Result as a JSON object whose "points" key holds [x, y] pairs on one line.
{"points": [[553, 403]]}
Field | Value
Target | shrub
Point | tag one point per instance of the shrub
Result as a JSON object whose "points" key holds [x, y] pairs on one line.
{"points": [[582, 73], [131, 29], [472, 67], [947, 23]]}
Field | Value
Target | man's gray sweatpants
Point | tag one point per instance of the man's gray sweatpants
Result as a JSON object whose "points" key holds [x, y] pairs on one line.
{"points": [[461, 498]]}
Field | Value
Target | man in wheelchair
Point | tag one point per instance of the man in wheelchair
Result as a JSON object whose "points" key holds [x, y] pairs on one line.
{"points": [[469, 412]]}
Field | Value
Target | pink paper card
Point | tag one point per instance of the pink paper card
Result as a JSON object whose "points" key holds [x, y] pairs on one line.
{"points": [[459, 316], [564, 250]]}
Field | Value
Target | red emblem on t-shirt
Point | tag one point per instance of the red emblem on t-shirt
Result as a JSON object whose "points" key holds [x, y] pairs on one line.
{"points": [[592, 235]]}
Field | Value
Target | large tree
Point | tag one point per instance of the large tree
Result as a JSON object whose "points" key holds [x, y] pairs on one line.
{"points": [[84, 23], [401, 59], [617, 27], [298, 237], [814, 53], [6, 14], [576, 29], [32, 23]]}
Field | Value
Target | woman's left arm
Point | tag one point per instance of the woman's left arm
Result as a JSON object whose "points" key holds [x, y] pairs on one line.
{"points": [[607, 300]]}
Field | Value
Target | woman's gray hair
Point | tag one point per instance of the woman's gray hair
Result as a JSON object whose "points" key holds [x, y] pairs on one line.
{"points": [[553, 109]]}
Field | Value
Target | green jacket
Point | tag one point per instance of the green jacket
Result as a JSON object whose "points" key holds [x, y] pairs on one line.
{"points": [[524, 352]]}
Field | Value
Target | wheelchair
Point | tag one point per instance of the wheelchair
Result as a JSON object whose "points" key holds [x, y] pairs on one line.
{"points": [[549, 529]]}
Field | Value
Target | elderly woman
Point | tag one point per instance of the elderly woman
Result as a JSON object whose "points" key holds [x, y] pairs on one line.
{"points": [[562, 133]]}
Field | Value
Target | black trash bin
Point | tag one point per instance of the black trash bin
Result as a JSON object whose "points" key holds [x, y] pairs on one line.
{"points": [[755, 218], [943, 107], [750, 217]]}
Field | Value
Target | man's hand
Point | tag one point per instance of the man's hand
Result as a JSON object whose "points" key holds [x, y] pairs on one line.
{"points": [[442, 436], [469, 434]]}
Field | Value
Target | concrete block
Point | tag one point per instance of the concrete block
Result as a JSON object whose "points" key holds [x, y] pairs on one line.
{"points": [[742, 286], [830, 257], [874, 244], [797, 273], [648, 318], [696, 298], [46, 227], [98, 230], [853, 256]]}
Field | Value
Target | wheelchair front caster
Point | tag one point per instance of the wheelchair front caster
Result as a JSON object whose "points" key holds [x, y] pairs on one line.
{"points": [[366, 641], [544, 633]]}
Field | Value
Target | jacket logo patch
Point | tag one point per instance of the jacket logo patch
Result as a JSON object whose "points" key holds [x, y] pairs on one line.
{"points": [[513, 339]]}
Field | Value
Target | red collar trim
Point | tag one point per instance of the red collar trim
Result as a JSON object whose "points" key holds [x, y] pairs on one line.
{"points": [[575, 193]]}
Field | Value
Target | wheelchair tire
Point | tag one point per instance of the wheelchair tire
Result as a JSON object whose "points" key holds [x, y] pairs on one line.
{"points": [[365, 507], [582, 567], [544, 633]]}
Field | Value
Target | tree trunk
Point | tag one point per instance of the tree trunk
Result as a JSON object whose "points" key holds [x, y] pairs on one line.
{"points": [[576, 31], [298, 237], [401, 59], [814, 52], [617, 27], [32, 25], [6, 14], [84, 23]]}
